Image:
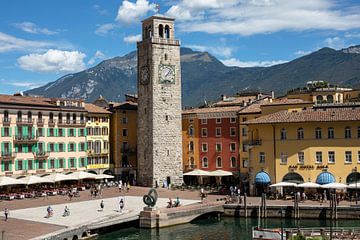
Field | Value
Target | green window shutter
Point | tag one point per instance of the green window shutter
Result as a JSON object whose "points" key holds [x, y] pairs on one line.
{"points": [[48, 132], [48, 147], [56, 132], [10, 147], [16, 165], [79, 147], [68, 164], [25, 166], [56, 163], [33, 132], [43, 132], [24, 131], [33, 148], [79, 134], [16, 131], [2, 132], [85, 131], [16, 148], [26, 148], [36, 164], [48, 164], [56, 147], [2, 147], [10, 131], [10, 166], [85, 162], [68, 147], [75, 163], [2, 166], [68, 130]]}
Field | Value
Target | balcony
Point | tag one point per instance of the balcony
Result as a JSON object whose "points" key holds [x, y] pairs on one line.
{"points": [[6, 121], [72, 123], [93, 153], [52, 123], [26, 139], [41, 155], [25, 121], [40, 122], [7, 155], [161, 41], [256, 142], [127, 150], [189, 167]]}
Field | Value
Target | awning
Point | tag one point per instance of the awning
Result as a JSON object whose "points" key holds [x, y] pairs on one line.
{"points": [[58, 177], [32, 179], [262, 178], [82, 175], [6, 181], [325, 178], [354, 185], [309, 185], [283, 184], [220, 173], [197, 172], [334, 186], [104, 176]]}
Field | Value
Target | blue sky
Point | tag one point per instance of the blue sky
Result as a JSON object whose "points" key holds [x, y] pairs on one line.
{"points": [[42, 40]]}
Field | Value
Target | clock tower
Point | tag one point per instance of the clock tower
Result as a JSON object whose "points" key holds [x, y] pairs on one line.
{"points": [[159, 134]]}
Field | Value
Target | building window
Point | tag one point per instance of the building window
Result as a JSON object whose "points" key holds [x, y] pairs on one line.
{"points": [[347, 132], [318, 133], [244, 119], [61, 163], [218, 120], [6, 132], [191, 131], [39, 132], [51, 147], [124, 120], [30, 164], [301, 158], [318, 156], [283, 134], [204, 132], [6, 165], [233, 162], [82, 147], [218, 131], [218, 162], [244, 147], [330, 133], [232, 120], [205, 163], [331, 155], [82, 132], [41, 164], [104, 131], [358, 156], [61, 147], [20, 165], [232, 147], [204, 147], [348, 157], [82, 162], [124, 132], [191, 146], [300, 133], [245, 162], [191, 120], [232, 131], [203, 121], [244, 131], [71, 132], [72, 147], [218, 147], [262, 157], [72, 162], [52, 163], [283, 158], [51, 132]]}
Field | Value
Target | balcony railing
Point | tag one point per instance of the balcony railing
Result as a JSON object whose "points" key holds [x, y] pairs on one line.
{"points": [[256, 142], [51, 122], [25, 121], [40, 122], [128, 150], [41, 154], [97, 153], [25, 139], [72, 123], [7, 155], [161, 41], [6, 121]]}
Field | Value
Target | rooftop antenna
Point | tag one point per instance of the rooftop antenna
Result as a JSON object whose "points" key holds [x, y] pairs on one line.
{"points": [[157, 7]]}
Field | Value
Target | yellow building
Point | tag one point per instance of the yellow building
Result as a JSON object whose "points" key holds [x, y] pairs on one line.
{"points": [[190, 135], [97, 138], [314, 144], [123, 138]]}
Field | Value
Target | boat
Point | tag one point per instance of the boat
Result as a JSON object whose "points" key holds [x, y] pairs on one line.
{"points": [[267, 234]]}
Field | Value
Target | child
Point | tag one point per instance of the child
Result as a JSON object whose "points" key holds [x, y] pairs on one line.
{"points": [[102, 205]]}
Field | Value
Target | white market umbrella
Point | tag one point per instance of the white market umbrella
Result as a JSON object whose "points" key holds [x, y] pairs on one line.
{"points": [[28, 180], [6, 181], [220, 173], [354, 185], [309, 185], [104, 176], [58, 177], [334, 186], [283, 184], [197, 172], [82, 175]]}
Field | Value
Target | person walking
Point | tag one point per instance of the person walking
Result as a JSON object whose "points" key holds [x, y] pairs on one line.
{"points": [[102, 205], [120, 185], [202, 194], [121, 204], [6, 213]]}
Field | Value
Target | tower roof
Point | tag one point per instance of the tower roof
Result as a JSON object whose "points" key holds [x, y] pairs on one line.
{"points": [[158, 16]]}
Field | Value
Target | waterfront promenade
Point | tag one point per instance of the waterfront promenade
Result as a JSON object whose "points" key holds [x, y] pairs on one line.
{"points": [[29, 213]]}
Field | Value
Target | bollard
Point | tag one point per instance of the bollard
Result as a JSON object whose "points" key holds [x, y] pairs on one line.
{"points": [[2, 235]]}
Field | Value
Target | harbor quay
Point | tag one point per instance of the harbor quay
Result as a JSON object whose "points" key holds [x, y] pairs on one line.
{"points": [[85, 211]]}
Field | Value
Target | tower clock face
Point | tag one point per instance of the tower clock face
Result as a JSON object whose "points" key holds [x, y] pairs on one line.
{"points": [[144, 75], [166, 73]]}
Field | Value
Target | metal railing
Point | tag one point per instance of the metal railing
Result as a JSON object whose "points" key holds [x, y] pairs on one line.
{"points": [[25, 139], [6, 121], [24, 121]]}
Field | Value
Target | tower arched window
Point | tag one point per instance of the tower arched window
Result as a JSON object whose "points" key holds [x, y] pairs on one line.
{"points": [[68, 118], [205, 162], [330, 99], [19, 116], [191, 131], [6, 116], [191, 146], [60, 117], [74, 118], [218, 162], [161, 31], [319, 99], [51, 117], [167, 31]]}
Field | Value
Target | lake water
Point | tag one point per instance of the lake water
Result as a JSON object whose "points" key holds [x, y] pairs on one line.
{"points": [[212, 228]]}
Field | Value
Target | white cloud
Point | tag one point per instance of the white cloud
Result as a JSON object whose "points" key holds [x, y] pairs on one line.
{"points": [[335, 43], [28, 85], [11, 43], [238, 63], [221, 51], [104, 29], [30, 27], [131, 12], [302, 53], [100, 10], [249, 17], [53, 61], [98, 56], [132, 38]]}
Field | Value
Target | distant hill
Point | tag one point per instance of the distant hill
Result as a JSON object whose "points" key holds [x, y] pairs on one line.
{"points": [[205, 78]]}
